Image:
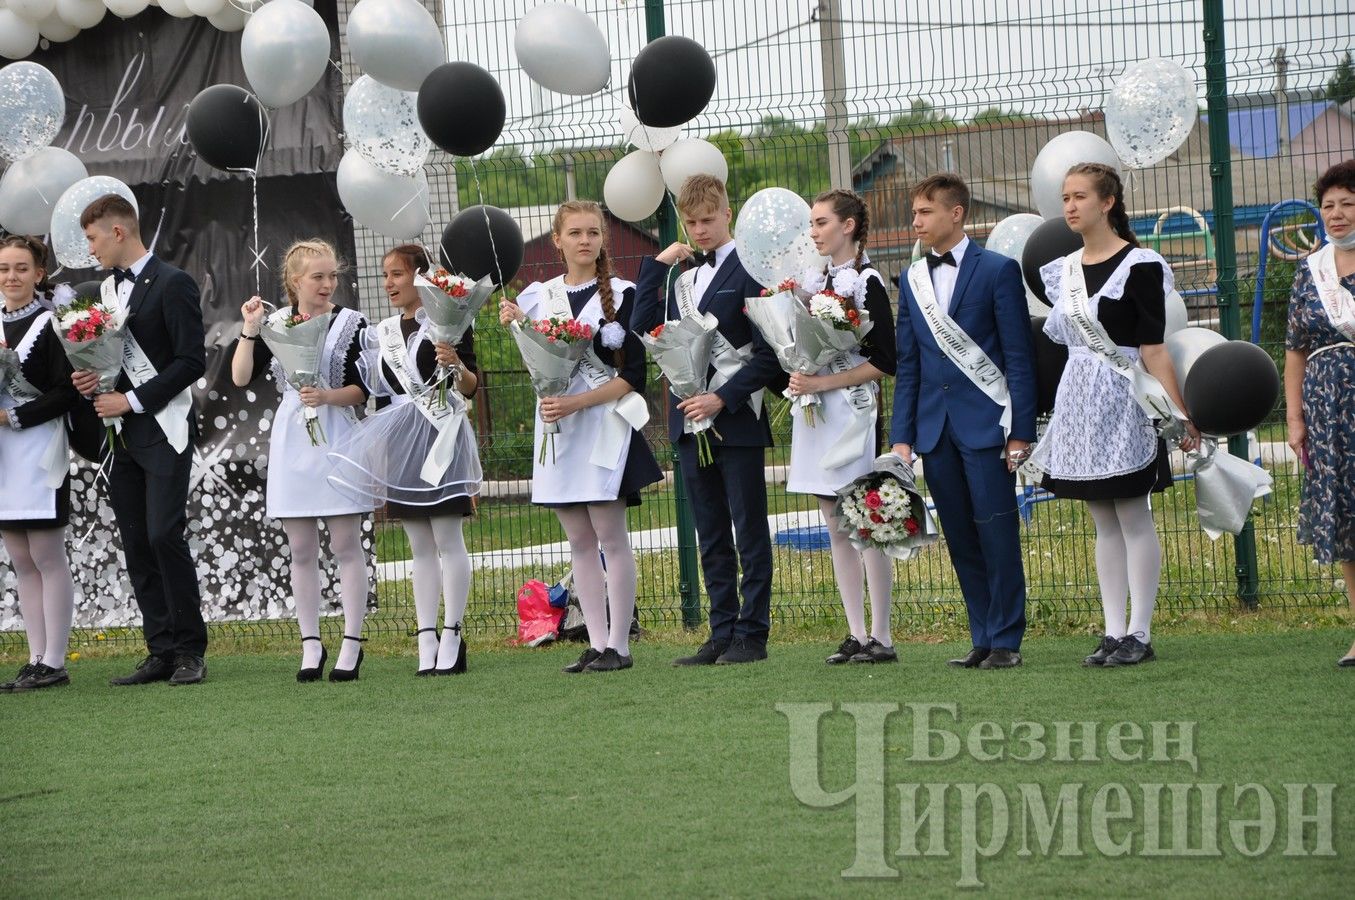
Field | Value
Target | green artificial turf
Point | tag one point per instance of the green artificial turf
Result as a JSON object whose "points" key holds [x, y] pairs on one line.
{"points": [[517, 780]]}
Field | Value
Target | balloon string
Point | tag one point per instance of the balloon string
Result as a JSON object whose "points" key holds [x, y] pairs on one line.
{"points": [[493, 249], [265, 129]]}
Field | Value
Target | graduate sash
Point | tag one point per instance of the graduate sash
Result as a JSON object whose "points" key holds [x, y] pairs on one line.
{"points": [[726, 359], [173, 416], [446, 420], [1337, 302]]}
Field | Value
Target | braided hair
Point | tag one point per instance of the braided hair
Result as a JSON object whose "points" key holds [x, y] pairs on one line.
{"points": [[846, 205], [603, 269], [1106, 183]]}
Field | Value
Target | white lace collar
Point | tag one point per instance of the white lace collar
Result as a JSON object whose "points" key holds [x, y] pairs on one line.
{"points": [[23, 312]]}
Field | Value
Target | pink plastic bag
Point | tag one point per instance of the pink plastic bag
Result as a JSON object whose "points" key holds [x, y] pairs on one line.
{"points": [[537, 619]]}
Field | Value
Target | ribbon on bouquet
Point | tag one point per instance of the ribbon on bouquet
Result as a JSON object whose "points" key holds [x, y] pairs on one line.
{"points": [[446, 418], [1225, 486]]}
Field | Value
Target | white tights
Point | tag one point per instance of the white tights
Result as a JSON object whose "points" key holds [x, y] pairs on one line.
{"points": [[345, 544], [1128, 563], [589, 528], [849, 565], [46, 591], [441, 571]]}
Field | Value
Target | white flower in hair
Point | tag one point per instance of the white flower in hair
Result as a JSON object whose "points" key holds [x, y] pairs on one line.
{"points": [[846, 283], [613, 335], [63, 295]]}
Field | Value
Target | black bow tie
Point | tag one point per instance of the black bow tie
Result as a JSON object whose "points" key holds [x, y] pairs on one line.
{"points": [[702, 258], [121, 275], [945, 259]]}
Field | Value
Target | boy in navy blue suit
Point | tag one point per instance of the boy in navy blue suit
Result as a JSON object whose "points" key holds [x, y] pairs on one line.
{"points": [[964, 398], [731, 490]]}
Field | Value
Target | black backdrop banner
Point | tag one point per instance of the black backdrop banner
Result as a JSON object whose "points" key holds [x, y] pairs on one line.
{"points": [[128, 85]]}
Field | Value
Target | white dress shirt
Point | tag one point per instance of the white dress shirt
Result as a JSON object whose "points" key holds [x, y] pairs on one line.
{"points": [[124, 298], [705, 272], [943, 277]]}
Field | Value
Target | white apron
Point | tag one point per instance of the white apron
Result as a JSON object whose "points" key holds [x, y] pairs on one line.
{"points": [[26, 491], [809, 444], [297, 485], [579, 471]]}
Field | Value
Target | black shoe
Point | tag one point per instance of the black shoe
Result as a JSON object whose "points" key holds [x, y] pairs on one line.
{"points": [[150, 669], [188, 669], [1107, 646], [998, 658], [459, 666], [24, 670], [709, 652], [42, 676], [313, 674], [876, 652], [424, 673], [849, 647], [971, 659], [1131, 652], [584, 660], [742, 650], [1346, 662], [337, 674], [609, 661]]}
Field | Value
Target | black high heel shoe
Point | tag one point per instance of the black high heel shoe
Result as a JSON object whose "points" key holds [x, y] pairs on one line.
{"points": [[337, 674], [431, 669], [458, 667], [314, 674]]}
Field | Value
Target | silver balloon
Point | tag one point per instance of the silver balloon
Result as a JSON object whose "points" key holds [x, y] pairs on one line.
{"points": [[18, 36], [393, 205], [81, 13], [395, 41], [1186, 346], [1150, 111], [1055, 159], [1009, 237], [285, 50], [31, 187], [32, 108], [1177, 316], [634, 186], [772, 236], [382, 124], [646, 137], [692, 156], [561, 48], [68, 238]]}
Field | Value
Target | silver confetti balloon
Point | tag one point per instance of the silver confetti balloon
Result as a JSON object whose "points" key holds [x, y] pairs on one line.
{"points": [[32, 109], [68, 238], [772, 236], [382, 125], [1150, 111]]}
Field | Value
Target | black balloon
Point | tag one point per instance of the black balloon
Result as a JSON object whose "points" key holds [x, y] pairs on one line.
{"points": [[226, 126], [1231, 388], [1047, 243], [1050, 358], [671, 81], [467, 247], [461, 108]]}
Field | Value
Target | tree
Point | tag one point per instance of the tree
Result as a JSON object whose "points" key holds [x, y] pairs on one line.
{"points": [[1341, 87]]}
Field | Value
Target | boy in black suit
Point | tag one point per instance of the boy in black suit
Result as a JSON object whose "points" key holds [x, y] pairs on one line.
{"points": [[731, 490], [152, 461]]}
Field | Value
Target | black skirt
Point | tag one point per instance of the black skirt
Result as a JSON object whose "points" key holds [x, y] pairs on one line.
{"points": [[453, 506], [642, 470], [1152, 478]]}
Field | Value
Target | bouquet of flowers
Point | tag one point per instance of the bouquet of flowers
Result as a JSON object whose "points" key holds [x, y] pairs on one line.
{"points": [[91, 335], [775, 314], [9, 365], [883, 509], [451, 303], [682, 348], [551, 350], [297, 341], [837, 311]]}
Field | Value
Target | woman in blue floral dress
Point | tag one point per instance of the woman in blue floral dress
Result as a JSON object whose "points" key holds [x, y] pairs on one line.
{"points": [[1319, 381]]}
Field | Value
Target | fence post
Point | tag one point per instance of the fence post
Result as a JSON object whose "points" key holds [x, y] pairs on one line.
{"points": [[688, 566], [1230, 321]]}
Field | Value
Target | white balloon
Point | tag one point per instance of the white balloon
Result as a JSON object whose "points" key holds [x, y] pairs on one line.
{"points": [[285, 50], [646, 137], [33, 10], [176, 8], [1187, 345], [202, 7], [125, 9], [1150, 111], [18, 36], [81, 13], [382, 124], [228, 18], [1009, 237], [57, 29], [30, 188], [691, 156], [634, 186], [561, 48], [32, 107], [1177, 316], [68, 238], [393, 205], [395, 41], [772, 237], [1055, 159]]}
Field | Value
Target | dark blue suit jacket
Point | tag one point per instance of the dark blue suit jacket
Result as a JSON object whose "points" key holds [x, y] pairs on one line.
{"points": [[989, 303], [725, 298]]}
